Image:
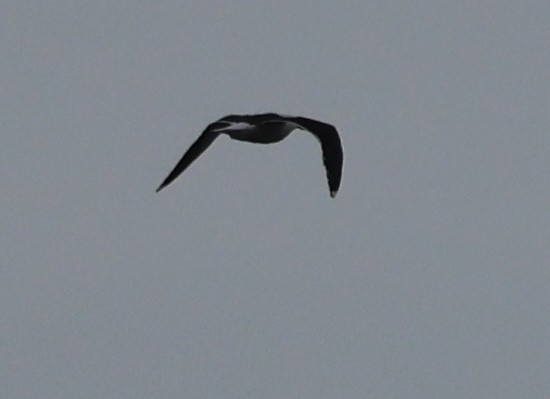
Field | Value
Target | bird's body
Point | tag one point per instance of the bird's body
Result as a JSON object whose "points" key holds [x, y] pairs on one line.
{"points": [[266, 129]]}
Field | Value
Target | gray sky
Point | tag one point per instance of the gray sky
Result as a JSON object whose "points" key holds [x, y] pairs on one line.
{"points": [[426, 277]]}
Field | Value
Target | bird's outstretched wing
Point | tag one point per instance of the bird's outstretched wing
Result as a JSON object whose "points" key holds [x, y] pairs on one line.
{"points": [[196, 149], [333, 156]]}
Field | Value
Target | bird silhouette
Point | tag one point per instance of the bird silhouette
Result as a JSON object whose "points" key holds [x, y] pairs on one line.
{"points": [[268, 128]]}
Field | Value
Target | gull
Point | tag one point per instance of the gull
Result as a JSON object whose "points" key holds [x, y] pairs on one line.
{"points": [[265, 129]]}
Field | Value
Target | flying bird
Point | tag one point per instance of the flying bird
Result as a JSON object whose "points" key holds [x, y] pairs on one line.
{"points": [[265, 129]]}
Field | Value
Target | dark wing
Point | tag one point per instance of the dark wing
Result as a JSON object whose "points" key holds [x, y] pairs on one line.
{"points": [[333, 156], [196, 149]]}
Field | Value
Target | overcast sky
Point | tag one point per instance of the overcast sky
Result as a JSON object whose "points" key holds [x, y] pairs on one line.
{"points": [[428, 276]]}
